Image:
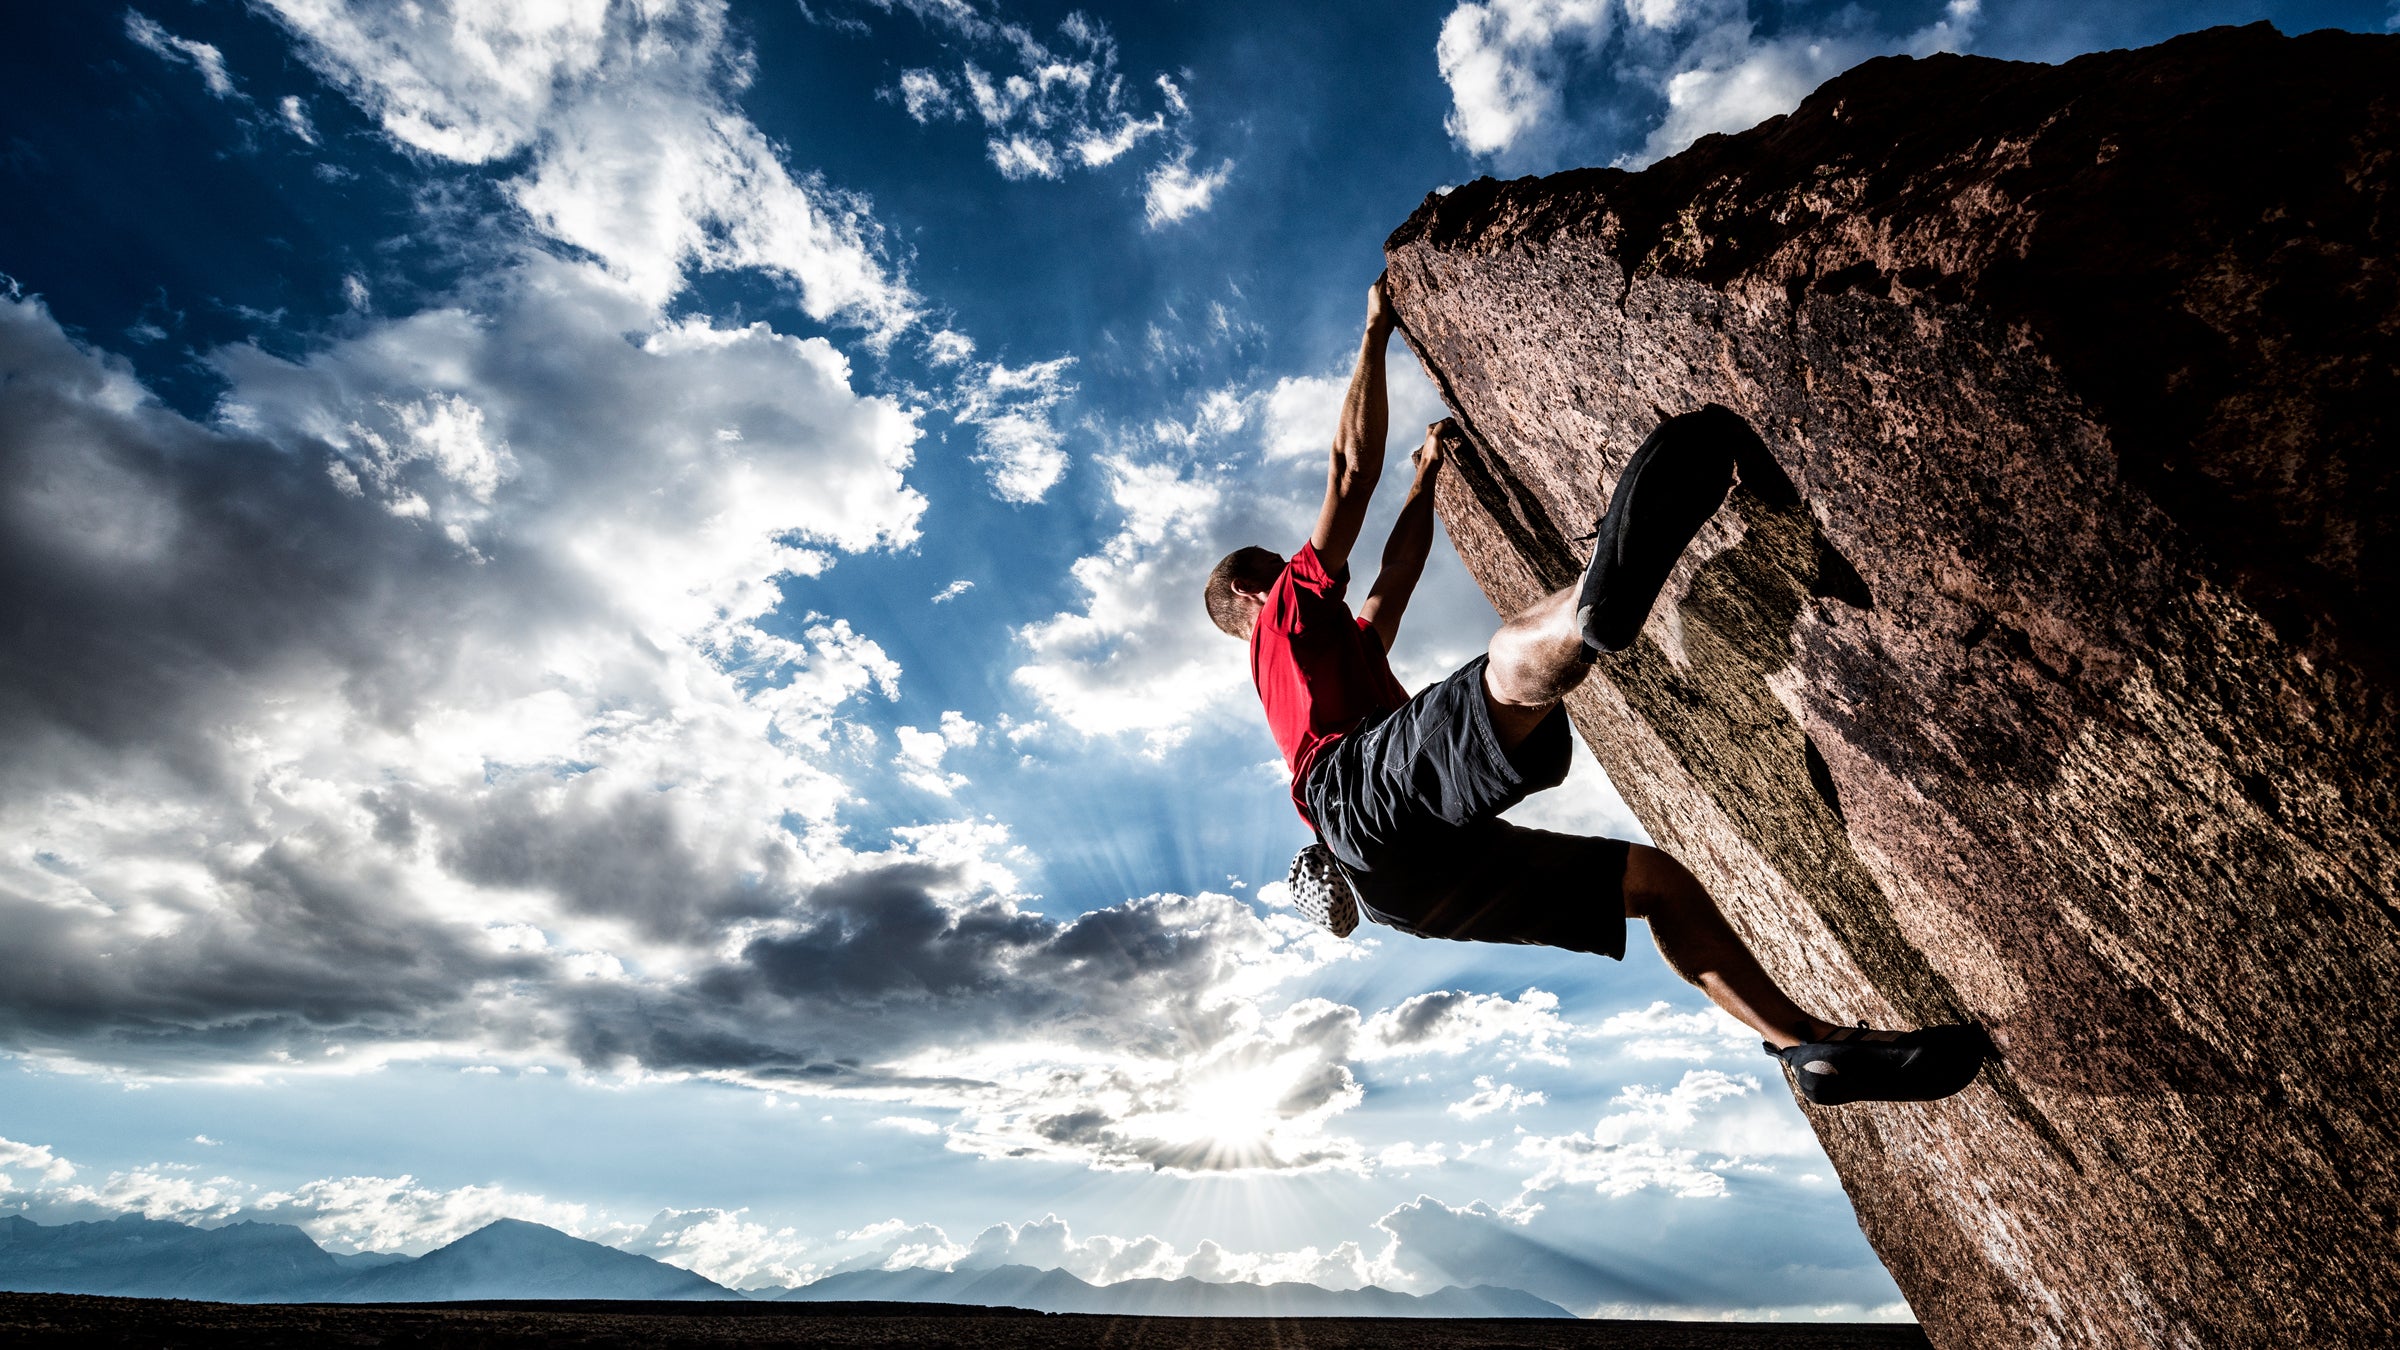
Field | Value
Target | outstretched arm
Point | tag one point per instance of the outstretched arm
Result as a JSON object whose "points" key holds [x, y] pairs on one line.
{"points": [[1358, 444], [1411, 539]]}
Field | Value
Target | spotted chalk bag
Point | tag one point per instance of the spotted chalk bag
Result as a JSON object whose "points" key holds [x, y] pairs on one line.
{"points": [[1321, 891]]}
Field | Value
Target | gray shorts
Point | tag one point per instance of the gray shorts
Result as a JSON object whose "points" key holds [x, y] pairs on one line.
{"points": [[1410, 803]]}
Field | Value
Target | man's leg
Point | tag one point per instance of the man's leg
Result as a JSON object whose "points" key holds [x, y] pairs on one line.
{"points": [[1701, 947], [1675, 481], [1536, 658], [1680, 476]]}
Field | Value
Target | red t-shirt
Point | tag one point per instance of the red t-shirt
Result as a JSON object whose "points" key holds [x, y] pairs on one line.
{"points": [[1319, 668]]}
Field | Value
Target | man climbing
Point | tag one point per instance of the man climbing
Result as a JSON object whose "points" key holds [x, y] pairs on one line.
{"points": [[1405, 793]]}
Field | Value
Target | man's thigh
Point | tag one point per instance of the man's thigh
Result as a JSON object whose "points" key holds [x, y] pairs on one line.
{"points": [[1389, 792], [1498, 882]]}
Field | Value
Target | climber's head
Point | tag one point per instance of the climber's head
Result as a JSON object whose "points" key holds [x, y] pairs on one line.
{"points": [[1239, 586]]}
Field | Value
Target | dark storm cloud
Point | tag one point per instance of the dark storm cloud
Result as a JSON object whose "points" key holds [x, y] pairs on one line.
{"points": [[154, 574], [624, 857], [874, 966], [353, 959]]}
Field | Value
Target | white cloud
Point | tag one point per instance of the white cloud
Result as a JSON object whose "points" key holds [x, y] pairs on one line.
{"points": [[471, 83], [1047, 109], [1501, 59], [401, 1214], [1049, 1243], [637, 153], [1510, 63], [948, 348], [921, 752], [1744, 84], [1681, 1141], [199, 55], [1660, 1032], [1097, 148], [1139, 656], [1017, 157], [294, 111], [1300, 415], [1173, 191], [1132, 661], [160, 1193], [1453, 1022], [952, 591], [1011, 409], [1406, 1157], [48, 1167], [724, 1246], [1059, 105], [925, 96], [1254, 1092], [1489, 1097], [1014, 411]]}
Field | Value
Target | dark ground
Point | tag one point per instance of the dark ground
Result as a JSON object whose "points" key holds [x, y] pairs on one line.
{"points": [[28, 1320]]}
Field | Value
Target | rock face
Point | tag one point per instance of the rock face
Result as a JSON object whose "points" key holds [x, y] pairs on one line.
{"points": [[2041, 671]]}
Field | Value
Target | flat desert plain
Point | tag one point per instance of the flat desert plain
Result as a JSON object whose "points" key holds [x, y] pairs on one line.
{"points": [[29, 1320]]}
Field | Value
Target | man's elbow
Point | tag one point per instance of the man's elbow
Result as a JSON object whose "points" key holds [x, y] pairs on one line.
{"points": [[1354, 474]]}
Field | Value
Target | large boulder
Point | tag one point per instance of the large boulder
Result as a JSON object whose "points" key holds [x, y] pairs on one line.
{"points": [[2041, 671]]}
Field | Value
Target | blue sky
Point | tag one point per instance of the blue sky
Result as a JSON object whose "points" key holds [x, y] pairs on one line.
{"points": [[603, 627]]}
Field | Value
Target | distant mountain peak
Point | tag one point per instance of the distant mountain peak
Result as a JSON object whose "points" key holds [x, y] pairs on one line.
{"points": [[277, 1263]]}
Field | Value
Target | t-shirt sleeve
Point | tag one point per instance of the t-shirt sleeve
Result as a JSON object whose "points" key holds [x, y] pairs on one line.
{"points": [[1305, 602], [1309, 574]]}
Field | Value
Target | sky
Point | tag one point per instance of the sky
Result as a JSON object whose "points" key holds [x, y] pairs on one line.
{"points": [[602, 626]]}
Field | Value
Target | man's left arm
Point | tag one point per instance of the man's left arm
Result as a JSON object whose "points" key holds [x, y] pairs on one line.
{"points": [[1411, 540]]}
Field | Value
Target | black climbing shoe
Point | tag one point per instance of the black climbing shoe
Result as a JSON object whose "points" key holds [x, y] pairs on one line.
{"points": [[1675, 483], [1854, 1064]]}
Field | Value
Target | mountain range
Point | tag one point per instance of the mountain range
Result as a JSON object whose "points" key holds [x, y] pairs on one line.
{"points": [[511, 1259], [1059, 1291]]}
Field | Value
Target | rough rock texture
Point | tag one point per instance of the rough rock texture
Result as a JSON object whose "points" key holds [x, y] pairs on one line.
{"points": [[2044, 677]]}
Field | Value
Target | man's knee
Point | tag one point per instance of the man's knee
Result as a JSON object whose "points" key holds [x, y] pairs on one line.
{"points": [[1655, 884]]}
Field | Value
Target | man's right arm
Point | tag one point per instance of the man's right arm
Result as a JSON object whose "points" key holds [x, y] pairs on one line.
{"points": [[1358, 444]]}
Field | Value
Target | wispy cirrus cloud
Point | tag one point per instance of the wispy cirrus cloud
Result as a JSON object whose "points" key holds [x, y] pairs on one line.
{"points": [[200, 56], [1048, 108], [1174, 190]]}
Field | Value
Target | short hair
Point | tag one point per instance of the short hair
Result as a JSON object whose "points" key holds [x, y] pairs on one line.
{"points": [[1256, 568]]}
